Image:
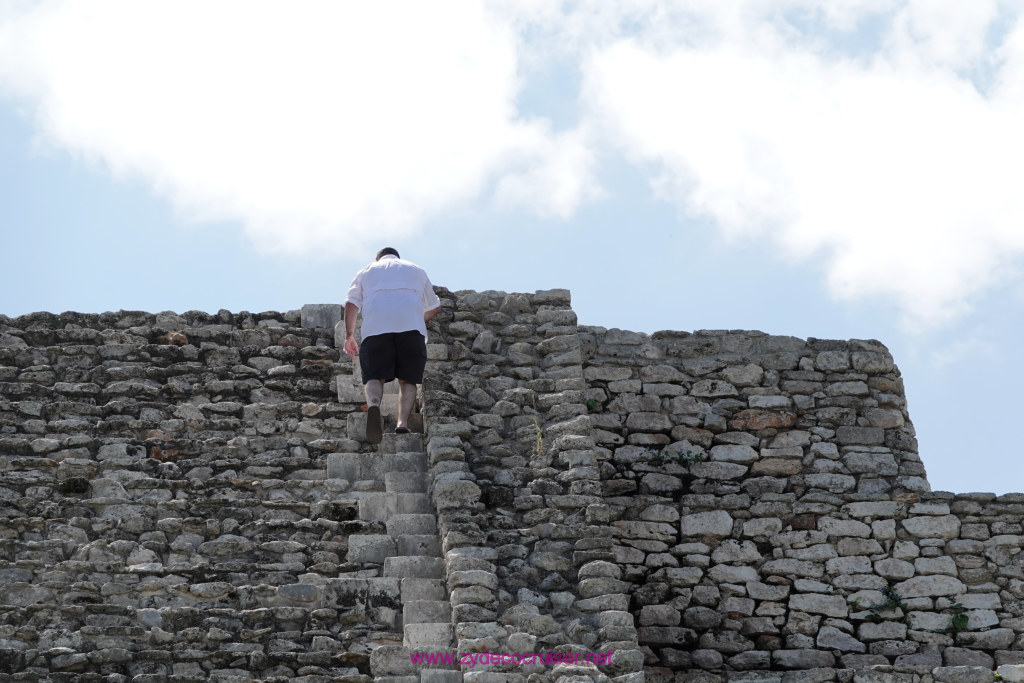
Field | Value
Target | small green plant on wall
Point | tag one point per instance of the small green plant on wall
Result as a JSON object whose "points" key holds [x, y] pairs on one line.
{"points": [[892, 601], [685, 458], [958, 622]]}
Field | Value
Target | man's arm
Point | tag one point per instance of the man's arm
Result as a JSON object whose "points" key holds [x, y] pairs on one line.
{"points": [[351, 347], [429, 315]]}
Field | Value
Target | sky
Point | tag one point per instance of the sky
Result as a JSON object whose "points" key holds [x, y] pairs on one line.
{"points": [[840, 170]]}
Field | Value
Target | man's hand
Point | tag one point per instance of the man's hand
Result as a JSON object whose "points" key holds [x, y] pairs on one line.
{"points": [[351, 347]]}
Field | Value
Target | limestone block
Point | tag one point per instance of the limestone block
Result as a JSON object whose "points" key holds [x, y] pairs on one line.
{"points": [[791, 438], [768, 592], [734, 453], [473, 595], [935, 565], [817, 603], [854, 564], [884, 418], [994, 639], [883, 630], [475, 577], [803, 659], [590, 588], [711, 523], [712, 388], [375, 548], [962, 674], [930, 586], [882, 509], [832, 361], [865, 436], [659, 374], [736, 551], [601, 603], [872, 362], [414, 567], [832, 638], [892, 568], [392, 660], [749, 375], [762, 526], [947, 526], [836, 483], [1011, 672], [770, 402], [802, 568], [921, 663], [989, 601], [227, 545], [648, 422], [599, 568], [719, 471], [847, 389], [659, 615], [843, 527]]}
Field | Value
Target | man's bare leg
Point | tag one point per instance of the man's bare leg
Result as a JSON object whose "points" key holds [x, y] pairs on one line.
{"points": [[406, 402], [374, 390]]}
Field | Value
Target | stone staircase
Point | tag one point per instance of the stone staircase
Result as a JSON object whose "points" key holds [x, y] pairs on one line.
{"points": [[208, 511], [391, 490]]}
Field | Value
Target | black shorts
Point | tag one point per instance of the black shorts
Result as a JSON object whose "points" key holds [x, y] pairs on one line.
{"points": [[394, 354]]}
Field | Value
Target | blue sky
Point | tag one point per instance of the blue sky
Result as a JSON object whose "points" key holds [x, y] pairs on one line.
{"points": [[840, 170]]}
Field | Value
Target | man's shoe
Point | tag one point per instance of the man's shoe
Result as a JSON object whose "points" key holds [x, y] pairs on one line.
{"points": [[401, 430], [374, 429]]}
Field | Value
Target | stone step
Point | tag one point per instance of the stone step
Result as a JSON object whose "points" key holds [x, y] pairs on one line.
{"points": [[375, 548], [363, 487], [396, 679], [363, 466], [401, 443], [424, 545], [356, 425], [405, 525], [371, 548], [433, 636], [405, 567], [381, 506], [392, 660], [426, 612], [423, 589], [405, 482]]}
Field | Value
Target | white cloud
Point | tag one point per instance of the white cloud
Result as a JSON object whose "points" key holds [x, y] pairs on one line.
{"points": [[894, 170], [880, 138], [319, 125]]}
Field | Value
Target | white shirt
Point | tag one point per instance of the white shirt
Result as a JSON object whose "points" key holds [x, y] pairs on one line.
{"points": [[392, 294]]}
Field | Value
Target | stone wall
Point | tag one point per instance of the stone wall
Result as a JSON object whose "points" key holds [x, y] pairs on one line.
{"points": [[164, 511], [771, 512], [706, 507], [517, 486]]}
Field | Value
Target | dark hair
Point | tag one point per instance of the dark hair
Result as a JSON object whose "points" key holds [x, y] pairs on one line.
{"points": [[387, 250]]}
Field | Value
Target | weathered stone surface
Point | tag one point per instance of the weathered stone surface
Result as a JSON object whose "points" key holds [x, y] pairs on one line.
{"points": [[947, 526], [814, 603], [739, 454], [929, 586], [163, 484], [712, 523]]}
